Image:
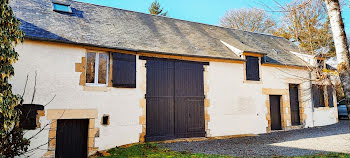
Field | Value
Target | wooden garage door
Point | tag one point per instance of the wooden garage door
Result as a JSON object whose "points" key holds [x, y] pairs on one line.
{"points": [[71, 138], [175, 100]]}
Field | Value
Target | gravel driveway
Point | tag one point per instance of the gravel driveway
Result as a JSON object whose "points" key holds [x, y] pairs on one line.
{"points": [[333, 138]]}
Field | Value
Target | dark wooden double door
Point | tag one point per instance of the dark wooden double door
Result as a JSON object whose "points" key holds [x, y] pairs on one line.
{"points": [[175, 100], [71, 138]]}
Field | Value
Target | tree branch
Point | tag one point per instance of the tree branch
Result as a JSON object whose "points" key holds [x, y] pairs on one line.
{"points": [[25, 86], [34, 88]]}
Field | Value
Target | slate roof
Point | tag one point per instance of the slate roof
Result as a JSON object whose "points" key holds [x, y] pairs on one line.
{"points": [[109, 27]]}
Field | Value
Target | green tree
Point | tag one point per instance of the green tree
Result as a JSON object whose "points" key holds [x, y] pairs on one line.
{"points": [[155, 9], [12, 142]]}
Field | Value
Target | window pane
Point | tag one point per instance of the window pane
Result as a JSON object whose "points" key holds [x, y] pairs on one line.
{"points": [[60, 7], [102, 68], [90, 67]]}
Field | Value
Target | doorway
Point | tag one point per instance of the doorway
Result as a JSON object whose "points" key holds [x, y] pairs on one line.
{"points": [[275, 112]]}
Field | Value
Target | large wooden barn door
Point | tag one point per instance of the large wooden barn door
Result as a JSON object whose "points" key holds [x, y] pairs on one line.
{"points": [[275, 112], [175, 100], [189, 100], [160, 100], [294, 104], [71, 138]]}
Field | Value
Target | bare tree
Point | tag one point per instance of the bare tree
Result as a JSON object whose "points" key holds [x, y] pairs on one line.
{"points": [[341, 46], [306, 23], [249, 19], [29, 152]]}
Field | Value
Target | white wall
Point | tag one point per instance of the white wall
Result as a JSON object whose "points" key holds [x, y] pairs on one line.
{"points": [[55, 67], [325, 116], [235, 107], [280, 78]]}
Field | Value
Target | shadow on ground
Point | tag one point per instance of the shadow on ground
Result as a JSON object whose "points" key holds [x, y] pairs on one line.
{"points": [[310, 141]]}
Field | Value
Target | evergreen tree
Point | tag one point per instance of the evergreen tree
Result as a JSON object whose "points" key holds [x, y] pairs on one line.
{"points": [[12, 142], [155, 9]]}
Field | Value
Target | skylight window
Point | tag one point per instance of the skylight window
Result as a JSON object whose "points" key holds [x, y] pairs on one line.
{"points": [[61, 7]]}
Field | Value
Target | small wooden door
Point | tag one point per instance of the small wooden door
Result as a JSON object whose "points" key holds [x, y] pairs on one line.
{"points": [[294, 104], [275, 112], [71, 138]]}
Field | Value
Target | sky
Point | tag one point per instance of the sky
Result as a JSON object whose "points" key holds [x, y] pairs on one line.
{"points": [[203, 11]]}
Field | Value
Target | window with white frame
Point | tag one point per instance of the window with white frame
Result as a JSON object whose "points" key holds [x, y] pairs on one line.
{"points": [[97, 69]]}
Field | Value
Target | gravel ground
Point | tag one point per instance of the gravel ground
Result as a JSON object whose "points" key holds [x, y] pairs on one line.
{"points": [[333, 138]]}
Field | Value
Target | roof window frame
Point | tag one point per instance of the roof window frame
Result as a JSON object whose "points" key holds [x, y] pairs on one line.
{"points": [[61, 4]]}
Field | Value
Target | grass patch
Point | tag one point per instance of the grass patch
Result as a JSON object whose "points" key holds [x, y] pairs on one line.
{"points": [[154, 150], [340, 155]]}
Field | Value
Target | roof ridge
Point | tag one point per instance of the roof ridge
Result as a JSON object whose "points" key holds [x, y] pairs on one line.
{"points": [[260, 33]]}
